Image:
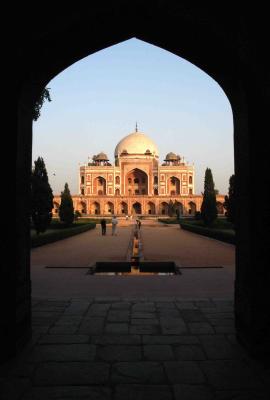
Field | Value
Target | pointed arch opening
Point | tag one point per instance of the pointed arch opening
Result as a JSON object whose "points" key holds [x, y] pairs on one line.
{"points": [[99, 186], [173, 186], [150, 208], [95, 208], [136, 182], [137, 208]]}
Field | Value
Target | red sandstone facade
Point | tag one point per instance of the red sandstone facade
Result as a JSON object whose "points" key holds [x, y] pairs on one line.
{"points": [[136, 183]]}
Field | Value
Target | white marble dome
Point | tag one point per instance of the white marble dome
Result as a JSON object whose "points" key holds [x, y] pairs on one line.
{"points": [[136, 143]]}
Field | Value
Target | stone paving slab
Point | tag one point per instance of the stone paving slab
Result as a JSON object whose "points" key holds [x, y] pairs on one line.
{"points": [[62, 352], [119, 353], [162, 350], [71, 373], [192, 392], [143, 392], [68, 393], [229, 374], [138, 372], [63, 339]]}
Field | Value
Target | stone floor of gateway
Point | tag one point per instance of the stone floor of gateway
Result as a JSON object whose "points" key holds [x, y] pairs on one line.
{"points": [[114, 338]]}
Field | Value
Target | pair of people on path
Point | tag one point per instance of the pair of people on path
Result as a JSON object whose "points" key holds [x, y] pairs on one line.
{"points": [[103, 226]]}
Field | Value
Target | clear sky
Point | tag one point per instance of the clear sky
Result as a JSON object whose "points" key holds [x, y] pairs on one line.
{"points": [[97, 101]]}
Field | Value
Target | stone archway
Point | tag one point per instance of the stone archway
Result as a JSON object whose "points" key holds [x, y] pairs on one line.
{"points": [[109, 208], [179, 208], [137, 208], [95, 208], [192, 208], [225, 51], [123, 208], [164, 208], [136, 182], [150, 208], [99, 186], [82, 207], [173, 186]]}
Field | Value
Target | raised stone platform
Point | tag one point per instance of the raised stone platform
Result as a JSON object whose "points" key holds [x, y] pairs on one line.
{"points": [[163, 348]]}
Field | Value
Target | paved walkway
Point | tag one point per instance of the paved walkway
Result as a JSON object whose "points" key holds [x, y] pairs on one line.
{"points": [[119, 349], [159, 242], [131, 337], [163, 242]]}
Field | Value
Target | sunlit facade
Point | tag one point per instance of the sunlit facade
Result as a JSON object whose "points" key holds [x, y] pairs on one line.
{"points": [[136, 183]]}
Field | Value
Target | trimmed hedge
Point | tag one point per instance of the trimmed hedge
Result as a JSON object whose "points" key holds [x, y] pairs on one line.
{"points": [[219, 234], [60, 234], [168, 220]]}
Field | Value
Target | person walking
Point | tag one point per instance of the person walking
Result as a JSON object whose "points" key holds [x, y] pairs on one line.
{"points": [[114, 224], [103, 227]]}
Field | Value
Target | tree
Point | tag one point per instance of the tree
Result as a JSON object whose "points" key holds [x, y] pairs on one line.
{"points": [[209, 204], [77, 214], [45, 95], [41, 197], [230, 201], [66, 209]]}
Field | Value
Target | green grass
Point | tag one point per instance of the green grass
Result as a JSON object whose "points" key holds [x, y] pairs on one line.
{"points": [[220, 230], [95, 220], [172, 220], [220, 223]]}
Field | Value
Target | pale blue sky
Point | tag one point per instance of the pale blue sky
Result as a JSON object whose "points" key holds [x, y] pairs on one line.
{"points": [[97, 101]]}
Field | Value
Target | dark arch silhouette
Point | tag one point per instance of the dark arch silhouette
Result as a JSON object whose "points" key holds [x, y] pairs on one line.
{"points": [[137, 208], [231, 51]]}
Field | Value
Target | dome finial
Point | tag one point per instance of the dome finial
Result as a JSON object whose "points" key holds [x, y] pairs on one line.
{"points": [[136, 127]]}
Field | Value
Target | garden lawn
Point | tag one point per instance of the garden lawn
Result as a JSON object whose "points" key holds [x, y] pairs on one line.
{"points": [[220, 230]]}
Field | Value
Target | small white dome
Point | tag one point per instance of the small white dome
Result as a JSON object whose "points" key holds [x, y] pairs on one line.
{"points": [[136, 143]]}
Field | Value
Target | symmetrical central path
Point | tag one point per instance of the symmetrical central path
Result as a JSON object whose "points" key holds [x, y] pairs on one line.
{"points": [[134, 337], [159, 242]]}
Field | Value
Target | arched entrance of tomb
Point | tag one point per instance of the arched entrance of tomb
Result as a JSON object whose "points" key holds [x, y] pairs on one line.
{"points": [[150, 208], [173, 186], [164, 208], [95, 208], [136, 182], [99, 186], [136, 208], [82, 207], [224, 51], [123, 208], [191, 208], [179, 209], [109, 208]]}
